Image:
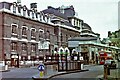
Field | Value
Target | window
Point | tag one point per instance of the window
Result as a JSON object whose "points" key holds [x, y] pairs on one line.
{"points": [[24, 32], [61, 37], [14, 46], [36, 14], [66, 37], [33, 47], [14, 29], [19, 9], [24, 46], [32, 15], [40, 16], [47, 35], [14, 8], [33, 33], [24, 10], [41, 34]]}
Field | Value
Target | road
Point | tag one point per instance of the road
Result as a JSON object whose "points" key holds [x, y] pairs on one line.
{"points": [[20, 74], [27, 73], [92, 74]]}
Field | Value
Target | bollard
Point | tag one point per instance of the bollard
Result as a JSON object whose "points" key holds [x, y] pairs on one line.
{"points": [[41, 74]]}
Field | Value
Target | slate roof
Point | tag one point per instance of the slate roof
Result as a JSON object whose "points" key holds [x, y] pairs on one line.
{"points": [[54, 11], [86, 26]]}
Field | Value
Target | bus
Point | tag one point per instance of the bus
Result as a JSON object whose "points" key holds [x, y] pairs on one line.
{"points": [[104, 55]]}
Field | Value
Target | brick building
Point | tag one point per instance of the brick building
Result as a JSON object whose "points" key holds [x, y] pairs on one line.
{"points": [[27, 34]]}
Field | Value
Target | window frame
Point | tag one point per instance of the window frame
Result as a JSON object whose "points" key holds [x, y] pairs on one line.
{"points": [[24, 48], [41, 33], [13, 46], [23, 35], [33, 36], [12, 32]]}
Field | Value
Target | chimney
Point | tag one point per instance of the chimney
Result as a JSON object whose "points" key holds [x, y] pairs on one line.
{"points": [[33, 6], [19, 1]]}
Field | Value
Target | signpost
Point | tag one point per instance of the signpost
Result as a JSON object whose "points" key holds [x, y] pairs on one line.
{"points": [[41, 68]]}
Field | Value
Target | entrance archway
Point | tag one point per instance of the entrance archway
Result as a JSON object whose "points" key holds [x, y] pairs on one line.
{"points": [[15, 60]]}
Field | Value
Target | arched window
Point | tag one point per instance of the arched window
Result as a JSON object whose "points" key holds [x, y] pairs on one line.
{"points": [[14, 30], [24, 31], [33, 47], [47, 35], [41, 33], [33, 30]]}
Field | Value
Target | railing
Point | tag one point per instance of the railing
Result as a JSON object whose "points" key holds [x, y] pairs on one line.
{"points": [[63, 63]]}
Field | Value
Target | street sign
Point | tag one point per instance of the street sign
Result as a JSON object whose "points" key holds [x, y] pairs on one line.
{"points": [[41, 67]]}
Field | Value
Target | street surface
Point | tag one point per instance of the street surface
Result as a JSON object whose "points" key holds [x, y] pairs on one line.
{"points": [[20, 74], [92, 74], [27, 73]]}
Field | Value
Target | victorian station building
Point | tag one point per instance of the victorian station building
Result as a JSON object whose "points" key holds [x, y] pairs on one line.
{"points": [[29, 34]]}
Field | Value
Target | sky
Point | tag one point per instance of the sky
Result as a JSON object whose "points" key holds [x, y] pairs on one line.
{"points": [[101, 15]]}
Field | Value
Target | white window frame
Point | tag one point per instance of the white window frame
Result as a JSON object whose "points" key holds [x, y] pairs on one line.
{"points": [[31, 30], [41, 30], [26, 29], [11, 28]]}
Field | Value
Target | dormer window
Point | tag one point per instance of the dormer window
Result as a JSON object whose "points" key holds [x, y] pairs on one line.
{"points": [[19, 9], [33, 33], [24, 10], [14, 7], [28, 12], [32, 14], [45, 18], [36, 15], [14, 28], [40, 16]]}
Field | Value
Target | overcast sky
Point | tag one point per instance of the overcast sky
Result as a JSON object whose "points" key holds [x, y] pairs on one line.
{"points": [[101, 15]]}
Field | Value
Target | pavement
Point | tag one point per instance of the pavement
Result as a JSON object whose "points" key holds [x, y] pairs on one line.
{"points": [[114, 75]]}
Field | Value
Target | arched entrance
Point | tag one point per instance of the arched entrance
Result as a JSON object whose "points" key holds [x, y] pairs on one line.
{"points": [[15, 60]]}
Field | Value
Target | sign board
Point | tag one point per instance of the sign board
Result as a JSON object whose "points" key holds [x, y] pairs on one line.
{"points": [[44, 45], [81, 58], [41, 67], [75, 57]]}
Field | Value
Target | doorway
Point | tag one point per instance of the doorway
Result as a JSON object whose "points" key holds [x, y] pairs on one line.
{"points": [[85, 57], [14, 60]]}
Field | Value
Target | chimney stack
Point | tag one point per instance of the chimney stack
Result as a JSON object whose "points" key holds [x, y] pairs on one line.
{"points": [[33, 6], [19, 1]]}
